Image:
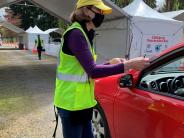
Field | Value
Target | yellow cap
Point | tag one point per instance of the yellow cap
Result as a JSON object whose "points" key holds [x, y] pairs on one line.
{"points": [[97, 3]]}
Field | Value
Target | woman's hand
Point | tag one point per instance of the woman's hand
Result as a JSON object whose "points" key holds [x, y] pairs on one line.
{"points": [[138, 63], [116, 61]]}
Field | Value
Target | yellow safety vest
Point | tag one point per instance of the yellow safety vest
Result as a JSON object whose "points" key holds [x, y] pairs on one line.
{"points": [[37, 42], [74, 89]]}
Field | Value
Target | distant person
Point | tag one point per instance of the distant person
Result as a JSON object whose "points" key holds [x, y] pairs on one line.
{"points": [[39, 45]]}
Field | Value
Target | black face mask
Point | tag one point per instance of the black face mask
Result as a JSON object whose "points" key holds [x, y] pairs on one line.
{"points": [[97, 21]]}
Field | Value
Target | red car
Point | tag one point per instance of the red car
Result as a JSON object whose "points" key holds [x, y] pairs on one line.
{"points": [[143, 104]]}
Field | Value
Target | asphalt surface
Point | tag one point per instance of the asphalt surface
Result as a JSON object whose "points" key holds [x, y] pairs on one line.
{"points": [[26, 95]]}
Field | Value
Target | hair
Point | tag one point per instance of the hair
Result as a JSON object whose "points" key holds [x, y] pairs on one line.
{"points": [[80, 15]]}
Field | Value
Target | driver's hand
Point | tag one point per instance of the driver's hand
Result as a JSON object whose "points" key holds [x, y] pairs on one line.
{"points": [[138, 63]]}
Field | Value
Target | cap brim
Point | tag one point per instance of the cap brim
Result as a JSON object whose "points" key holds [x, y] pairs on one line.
{"points": [[105, 9]]}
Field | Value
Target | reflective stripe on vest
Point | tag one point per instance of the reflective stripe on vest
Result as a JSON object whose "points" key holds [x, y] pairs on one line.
{"points": [[74, 78]]}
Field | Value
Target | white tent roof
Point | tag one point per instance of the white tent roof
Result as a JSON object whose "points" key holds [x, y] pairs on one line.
{"points": [[11, 27], [140, 8], [38, 30], [57, 30], [175, 14], [29, 30], [35, 30], [153, 26]]}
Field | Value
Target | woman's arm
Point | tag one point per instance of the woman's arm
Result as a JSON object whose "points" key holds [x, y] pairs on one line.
{"points": [[79, 48]]}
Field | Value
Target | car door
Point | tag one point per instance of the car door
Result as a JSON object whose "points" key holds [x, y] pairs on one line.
{"points": [[144, 112]]}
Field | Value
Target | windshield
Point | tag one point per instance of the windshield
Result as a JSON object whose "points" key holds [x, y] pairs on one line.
{"points": [[173, 67]]}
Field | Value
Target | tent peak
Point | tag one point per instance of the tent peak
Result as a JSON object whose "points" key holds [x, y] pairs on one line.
{"points": [[140, 8], [35, 29]]}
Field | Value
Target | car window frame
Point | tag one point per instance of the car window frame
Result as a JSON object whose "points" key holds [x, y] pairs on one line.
{"points": [[157, 63]]}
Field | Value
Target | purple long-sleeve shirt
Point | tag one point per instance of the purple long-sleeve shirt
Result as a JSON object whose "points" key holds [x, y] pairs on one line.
{"points": [[78, 47]]}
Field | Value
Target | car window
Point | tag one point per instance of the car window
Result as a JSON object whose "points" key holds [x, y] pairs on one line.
{"points": [[167, 79], [175, 66]]}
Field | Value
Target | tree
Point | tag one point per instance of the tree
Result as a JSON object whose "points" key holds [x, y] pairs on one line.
{"points": [[122, 3], [173, 5], [62, 24], [151, 3], [33, 15], [181, 4]]}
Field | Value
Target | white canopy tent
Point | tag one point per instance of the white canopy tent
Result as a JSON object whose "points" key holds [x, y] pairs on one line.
{"points": [[30, 29], [57, 30], [150, 32], [32, 34], [52, 48], [139, 31]]}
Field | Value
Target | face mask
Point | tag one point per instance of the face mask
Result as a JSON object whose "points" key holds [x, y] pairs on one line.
{"points": [[98, 19]]}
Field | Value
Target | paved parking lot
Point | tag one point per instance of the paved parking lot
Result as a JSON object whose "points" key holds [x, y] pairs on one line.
{"points": [[26, 95]]}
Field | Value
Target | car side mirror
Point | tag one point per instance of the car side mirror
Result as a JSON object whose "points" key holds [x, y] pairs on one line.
{"points": [[126, 81]]}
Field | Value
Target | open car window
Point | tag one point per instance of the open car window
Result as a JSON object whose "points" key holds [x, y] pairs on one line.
{"points": [[166, 79]]}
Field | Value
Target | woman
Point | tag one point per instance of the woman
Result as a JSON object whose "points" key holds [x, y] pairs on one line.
{"points": [[74, 94]]}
